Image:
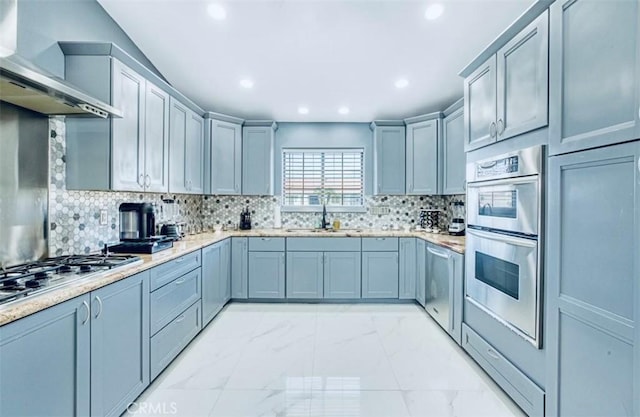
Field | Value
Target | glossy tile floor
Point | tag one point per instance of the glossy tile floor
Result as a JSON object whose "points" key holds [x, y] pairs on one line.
{"points": [[323, 360]]}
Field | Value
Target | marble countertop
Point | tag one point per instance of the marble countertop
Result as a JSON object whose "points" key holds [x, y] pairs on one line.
{"points": [[29, 305]]}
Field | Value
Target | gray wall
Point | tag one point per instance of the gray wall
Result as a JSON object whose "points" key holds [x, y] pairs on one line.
{"points": [[325, 135], [42, 23]]}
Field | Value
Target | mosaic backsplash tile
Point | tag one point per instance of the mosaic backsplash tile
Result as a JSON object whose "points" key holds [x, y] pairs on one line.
{"points": [[74, 216]]}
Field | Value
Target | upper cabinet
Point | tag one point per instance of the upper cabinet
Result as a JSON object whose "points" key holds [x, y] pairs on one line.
{"points": [[453, 156], [507, 95], [129, 153], [186, 150], [224, 155], [594, 70], [422, 139], [389, 157], [257, 157]]}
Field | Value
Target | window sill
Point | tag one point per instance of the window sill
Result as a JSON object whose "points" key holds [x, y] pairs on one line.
{"points": [[318, 209]]}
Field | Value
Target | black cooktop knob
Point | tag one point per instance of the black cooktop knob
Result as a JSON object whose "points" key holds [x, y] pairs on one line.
{"points": [[86, 268], [33, 283], [65, 269]]}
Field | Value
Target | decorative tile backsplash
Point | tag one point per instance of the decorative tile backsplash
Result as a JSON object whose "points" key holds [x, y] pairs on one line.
{"points": [[74, 216]]}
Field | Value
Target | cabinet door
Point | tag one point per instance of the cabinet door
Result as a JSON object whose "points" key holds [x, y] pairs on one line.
{"points": [[407, 268], [453, 156], [194, 154], [266, 274], [225, 272], [226, 154], [156, 146], [257, 160], [178, 114], [45, 362], [389, 160], [239, 267], [480, 106], [342, 275], [379, 274], [127, 137], [422, 158], [421, 265], [119, 344], [211, 297], [523, 80], [594, 74], [457, 296], [592, 288], [304, 274]]}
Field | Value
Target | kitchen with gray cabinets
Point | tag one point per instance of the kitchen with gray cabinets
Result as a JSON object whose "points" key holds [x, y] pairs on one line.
{"points": [[320, 236]]}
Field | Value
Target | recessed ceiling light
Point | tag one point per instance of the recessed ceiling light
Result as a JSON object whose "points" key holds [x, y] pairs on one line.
{"points": [[246, 83], [343, 110], [402, 83], [303, 110], [216, 11], [434, 11]]}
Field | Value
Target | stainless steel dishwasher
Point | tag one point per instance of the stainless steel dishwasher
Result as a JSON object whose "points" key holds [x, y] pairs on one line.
{"points": [[439, 285]]}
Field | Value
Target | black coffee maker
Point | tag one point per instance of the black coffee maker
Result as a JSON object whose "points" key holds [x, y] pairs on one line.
{"points": [[137, 221]]}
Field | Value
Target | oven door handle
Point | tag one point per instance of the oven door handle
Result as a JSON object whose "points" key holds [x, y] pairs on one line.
{"points": [[506, 181], [499, 237]]}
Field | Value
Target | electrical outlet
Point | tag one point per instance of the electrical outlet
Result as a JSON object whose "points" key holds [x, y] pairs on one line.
{"points": [[104, 217], [380, 210]]}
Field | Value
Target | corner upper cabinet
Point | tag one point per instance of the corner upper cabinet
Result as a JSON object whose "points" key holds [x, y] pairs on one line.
{"points": [[389, 157], [186, 146], [123, 154], [453, 156], [225, 155], [257, 157], [594, 70], [507, 95], [422, 155]]}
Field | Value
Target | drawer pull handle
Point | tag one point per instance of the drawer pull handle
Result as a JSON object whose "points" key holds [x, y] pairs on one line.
{"points": [[266, 239], [493, 354], [181, 318], [435, 310], [380, 238], [99, 305], [180, 281], [179, 261]]}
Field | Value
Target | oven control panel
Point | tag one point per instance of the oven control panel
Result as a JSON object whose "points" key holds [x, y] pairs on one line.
{"points": [[497, 167], [520, 163]]}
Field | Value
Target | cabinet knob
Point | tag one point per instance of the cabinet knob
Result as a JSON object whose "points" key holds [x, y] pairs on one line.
{"points": [[500, 127], [492, 130]]}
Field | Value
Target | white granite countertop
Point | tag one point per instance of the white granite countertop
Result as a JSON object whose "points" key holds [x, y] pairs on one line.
{"points": [[29, 305]]}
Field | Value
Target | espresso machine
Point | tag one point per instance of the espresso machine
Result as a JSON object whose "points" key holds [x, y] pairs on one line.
{"points": [[138, 230]]}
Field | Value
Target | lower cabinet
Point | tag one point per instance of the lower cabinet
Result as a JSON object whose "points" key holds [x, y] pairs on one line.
{"points": [[88, 355], [266, 274], [379, 274], [421, 274], [407, 272], [239, 267], [305, 274], [342, 275], [216, 278]]}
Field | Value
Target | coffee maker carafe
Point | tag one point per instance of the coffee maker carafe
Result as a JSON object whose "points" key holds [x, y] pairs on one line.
{"points": [[137, 221]]}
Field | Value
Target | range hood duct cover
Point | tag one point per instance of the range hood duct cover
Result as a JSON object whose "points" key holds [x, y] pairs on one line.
{"points": [[25, 85]]}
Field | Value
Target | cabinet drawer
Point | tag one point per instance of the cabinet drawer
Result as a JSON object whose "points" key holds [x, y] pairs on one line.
{"points": [[169, 301], [266, 244], [170, 341], [379, 244], [323, 244], [165, 273], [519, 387]]}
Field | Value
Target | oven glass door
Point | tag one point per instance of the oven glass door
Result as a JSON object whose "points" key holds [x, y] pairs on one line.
{"points": [[511, 204], [502, 278]]}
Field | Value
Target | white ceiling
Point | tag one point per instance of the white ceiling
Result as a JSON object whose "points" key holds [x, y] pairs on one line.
{"points": [[318, 54]]}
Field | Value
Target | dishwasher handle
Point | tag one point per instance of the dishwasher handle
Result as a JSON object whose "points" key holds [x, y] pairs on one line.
{"points": [[444, 255]]}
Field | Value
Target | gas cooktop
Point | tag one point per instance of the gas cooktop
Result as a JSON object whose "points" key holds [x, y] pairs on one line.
{"points": [[20, 281]]}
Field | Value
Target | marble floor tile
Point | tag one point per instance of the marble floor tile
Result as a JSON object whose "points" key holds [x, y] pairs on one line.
{"points": [[325, 360]]}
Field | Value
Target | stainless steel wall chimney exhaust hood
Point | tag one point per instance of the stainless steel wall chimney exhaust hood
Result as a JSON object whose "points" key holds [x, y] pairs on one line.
{"points": [[25, 85]]}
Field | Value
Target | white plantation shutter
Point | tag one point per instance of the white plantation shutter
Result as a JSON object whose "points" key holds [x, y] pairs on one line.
{"points": [[316, 176]]}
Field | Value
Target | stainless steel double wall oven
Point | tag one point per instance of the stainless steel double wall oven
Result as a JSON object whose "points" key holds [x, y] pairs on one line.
{"points": [[503, 256]]}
